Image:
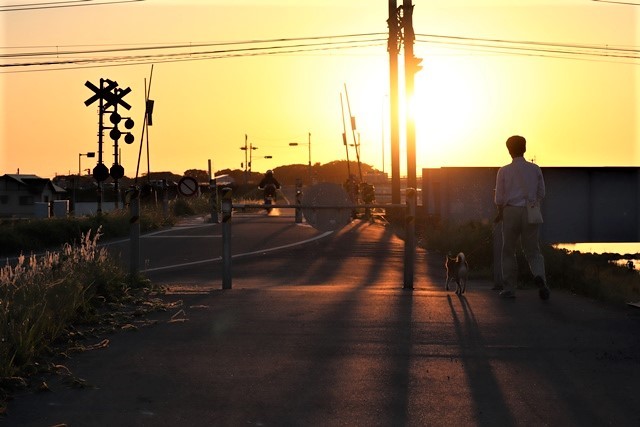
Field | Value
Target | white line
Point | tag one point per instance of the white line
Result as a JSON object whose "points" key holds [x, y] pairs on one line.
{"points": [[186, 264], [181, 237]]}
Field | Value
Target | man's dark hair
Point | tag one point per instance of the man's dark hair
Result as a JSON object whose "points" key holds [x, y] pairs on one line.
{"points": [[516, 145]]}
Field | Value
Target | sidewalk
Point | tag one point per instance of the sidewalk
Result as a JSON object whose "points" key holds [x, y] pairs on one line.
{"points": [[327, 336]]}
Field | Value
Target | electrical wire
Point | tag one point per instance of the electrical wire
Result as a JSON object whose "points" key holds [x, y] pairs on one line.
{"points": [[212, 54], [189, 58], [617, 2], [540, 49], [133, 48], [60, 4], [143, 54]]}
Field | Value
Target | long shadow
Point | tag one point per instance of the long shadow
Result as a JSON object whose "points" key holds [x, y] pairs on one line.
{"points": [[339, 346], [491, 407]]}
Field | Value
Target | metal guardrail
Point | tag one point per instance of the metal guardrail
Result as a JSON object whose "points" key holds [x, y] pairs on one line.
{"points": [[299, 206], [227, 207]]}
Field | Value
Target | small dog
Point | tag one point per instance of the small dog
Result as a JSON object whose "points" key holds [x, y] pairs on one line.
{"points": [[458, 271]]}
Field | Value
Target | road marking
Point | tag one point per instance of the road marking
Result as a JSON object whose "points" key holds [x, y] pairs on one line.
{"points": [[181, 237], [262, 251]]}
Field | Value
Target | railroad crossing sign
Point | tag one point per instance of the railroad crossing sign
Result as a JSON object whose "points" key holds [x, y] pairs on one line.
{"points": [[187, 186], [111, 94]]}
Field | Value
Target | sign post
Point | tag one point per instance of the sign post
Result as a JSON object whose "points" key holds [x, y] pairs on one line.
{"points": [[226, 208]]}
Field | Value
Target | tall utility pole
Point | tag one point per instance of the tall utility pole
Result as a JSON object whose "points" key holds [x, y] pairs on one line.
{"points": [[245, 159], [393, 47], [411, 67]]}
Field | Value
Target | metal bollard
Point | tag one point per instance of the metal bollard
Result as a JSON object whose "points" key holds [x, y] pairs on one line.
{"points": [[410, 238], [298, 200], [226, 208], [165, 199], [214, 201], [132, 198]]}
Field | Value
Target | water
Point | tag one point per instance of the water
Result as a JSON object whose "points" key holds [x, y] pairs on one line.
{"points": [[600, 248]]}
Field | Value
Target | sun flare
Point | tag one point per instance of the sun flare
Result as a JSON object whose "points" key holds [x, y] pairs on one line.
{"points": [[449, 107]]}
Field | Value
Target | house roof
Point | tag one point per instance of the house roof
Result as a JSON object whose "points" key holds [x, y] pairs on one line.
{"points": [[34, 182]]}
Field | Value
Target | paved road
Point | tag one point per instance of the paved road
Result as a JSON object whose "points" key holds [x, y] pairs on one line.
{"points": [[326, 336], [194, 246]]}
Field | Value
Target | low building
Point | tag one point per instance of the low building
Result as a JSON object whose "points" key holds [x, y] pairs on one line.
{"points": [[27, 196]]}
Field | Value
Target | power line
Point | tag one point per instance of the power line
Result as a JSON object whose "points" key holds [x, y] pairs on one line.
{"points": [[533, 43], [537, 48], [617, 2], [60, 4], [154, 59], [325, 45], [132, 48], [300, 45]]}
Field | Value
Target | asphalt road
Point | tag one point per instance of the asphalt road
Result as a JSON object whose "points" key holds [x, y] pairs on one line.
{"points": [[325, 335], [192, 250]]}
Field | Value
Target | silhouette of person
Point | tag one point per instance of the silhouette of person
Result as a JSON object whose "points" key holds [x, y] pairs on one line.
{"points": [[269, 184], [517, 184], [269, 179]]}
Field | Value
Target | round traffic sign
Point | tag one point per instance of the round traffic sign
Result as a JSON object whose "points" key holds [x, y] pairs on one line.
{"points": [[117, 171], [187, 186], [100, 172]]}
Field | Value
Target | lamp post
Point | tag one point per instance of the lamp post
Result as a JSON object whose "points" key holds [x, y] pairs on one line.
{"points": [[89, 154], [295, 144], [247, 164]]}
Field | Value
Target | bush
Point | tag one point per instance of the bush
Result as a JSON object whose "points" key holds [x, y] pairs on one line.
{"points": [[39, 297], [594, 276], [25, 236]]}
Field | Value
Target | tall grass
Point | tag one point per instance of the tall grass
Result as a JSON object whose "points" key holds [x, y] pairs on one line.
{"points": [[594, 276], [41, 296], [37, 235]]}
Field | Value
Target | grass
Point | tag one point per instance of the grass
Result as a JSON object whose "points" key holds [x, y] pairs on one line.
{"points": [[593, 276], [44, 298], [41, 297], [36, 235]]}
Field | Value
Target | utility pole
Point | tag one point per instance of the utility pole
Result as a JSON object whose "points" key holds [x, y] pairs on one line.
{"points": [[393, 47], [245, 158], [411, 67]]}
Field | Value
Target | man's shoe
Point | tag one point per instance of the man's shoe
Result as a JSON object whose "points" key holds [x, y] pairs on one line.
{"points": [[507, 294], [497, 287], [544, 291]]}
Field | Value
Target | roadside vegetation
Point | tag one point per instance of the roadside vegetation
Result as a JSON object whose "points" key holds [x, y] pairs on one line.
{"points": [[48, 299], [596, 276]]}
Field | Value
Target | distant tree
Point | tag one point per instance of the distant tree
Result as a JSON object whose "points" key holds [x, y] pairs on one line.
{"points": [[156, 176], [198, 174]]}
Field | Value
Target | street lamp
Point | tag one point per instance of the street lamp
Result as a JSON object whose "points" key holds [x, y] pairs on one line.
{"points": [[247, 165], [295, 144], [89, 154]]}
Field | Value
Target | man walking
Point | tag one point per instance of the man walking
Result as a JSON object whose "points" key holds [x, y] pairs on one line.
{"points": [[517, 184]]}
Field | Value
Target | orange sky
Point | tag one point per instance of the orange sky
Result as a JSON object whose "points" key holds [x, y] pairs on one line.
{"points": [[575, 109]]}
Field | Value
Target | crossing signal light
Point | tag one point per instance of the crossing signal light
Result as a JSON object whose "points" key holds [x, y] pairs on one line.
{"points": [[149, 108]]}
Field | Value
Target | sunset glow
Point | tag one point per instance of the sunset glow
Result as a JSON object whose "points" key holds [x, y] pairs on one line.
{"points": [[564, 74]]}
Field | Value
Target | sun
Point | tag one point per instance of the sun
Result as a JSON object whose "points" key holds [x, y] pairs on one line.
{"points": [[450, 105]]}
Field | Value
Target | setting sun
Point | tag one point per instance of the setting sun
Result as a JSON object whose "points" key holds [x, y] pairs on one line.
{"points": [[490, 69]]}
